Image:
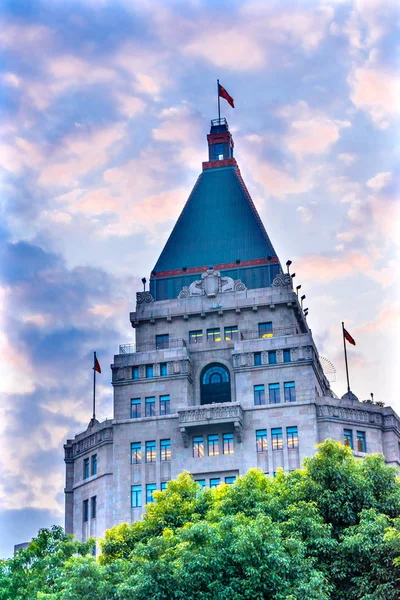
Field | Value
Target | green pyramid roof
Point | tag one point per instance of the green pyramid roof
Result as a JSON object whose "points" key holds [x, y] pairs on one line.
{"points": [[218, 225]]}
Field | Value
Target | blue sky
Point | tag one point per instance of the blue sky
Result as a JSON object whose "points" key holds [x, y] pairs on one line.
{"points": [[105, 108]]}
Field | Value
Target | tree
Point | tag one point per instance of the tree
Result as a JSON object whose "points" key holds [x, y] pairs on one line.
{"points": [[329, 530]]}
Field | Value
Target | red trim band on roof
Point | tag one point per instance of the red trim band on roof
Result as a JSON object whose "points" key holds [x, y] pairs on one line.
{"points": [[191, 270], [217, 164]]}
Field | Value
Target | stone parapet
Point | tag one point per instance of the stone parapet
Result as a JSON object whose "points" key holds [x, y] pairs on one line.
{"points": [[211, 414]]}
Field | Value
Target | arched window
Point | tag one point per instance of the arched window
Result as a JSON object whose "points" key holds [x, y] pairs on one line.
{"points": [[215, 384]]}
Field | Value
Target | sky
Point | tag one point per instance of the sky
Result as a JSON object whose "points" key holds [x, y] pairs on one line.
{"points": [[105, 108]]}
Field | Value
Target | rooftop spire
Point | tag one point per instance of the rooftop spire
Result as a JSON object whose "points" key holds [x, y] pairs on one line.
{"points": [[219, 227]]}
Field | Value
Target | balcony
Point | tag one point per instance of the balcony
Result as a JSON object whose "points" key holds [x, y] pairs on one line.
{"points": [[150, 346], [248, 334], [210, 414]]}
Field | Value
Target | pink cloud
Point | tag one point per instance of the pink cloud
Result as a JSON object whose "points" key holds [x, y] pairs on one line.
{"points": [[380, 180], [322, 268]]}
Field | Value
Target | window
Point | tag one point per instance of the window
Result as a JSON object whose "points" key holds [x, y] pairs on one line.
{"points": [[214, 384], [164, 405], [218, 151], [274, 393], [93, 502], [286, 356], [290, 391], [136, 408], [265, 330], [165, 450], [213, 335], [150, 452], [348, 438], [228, 444], [231, 333], [195, 337], [164, 485], [272, 357], [85, 511], [230, 480], [213, 449], [85, 468], [149, 371], [94, 464], [136, 453], [150, 489], [135, 372], [261, 440], [162, 341], [361, 441], [292, 437], [150, 405], [163, 369], [215, 482], [257, 359], [259, 395], [276, 436], [198, 446], [201, 482], [136, 496]]}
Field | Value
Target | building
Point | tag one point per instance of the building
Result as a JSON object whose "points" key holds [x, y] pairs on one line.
{"points": [[224, 375]]}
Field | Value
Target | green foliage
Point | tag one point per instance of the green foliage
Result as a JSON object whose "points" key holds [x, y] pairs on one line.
{"points": [[330, 530]]}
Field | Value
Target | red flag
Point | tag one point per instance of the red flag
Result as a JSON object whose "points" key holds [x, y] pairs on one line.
{"points": [[224, 94], [348, 337], [96, 365]]}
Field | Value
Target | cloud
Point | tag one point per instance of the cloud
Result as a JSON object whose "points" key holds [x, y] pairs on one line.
{"points": [[328, 268], [305, 214], [380, 180], [230, 48], [375, 89], [347, 158], [309, 131]]}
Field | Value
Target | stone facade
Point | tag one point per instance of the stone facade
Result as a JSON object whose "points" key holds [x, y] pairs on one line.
{"points": [[253, 338]]}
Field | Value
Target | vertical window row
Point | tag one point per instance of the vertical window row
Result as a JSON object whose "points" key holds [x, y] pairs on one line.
{"points": [[292, 438], [228, 444], [274, 393], [90, 466], [150, 451], [93, 509], [149, 371], [361, 440], [150, 406]]}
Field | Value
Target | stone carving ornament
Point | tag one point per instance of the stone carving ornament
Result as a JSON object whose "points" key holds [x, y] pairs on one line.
{"points": [[144, 297], [211, 284], [283, 280]]}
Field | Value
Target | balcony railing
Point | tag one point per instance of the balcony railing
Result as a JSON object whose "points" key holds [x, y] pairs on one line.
{"points": [[248, 334], [211, 414], [150, 346]]}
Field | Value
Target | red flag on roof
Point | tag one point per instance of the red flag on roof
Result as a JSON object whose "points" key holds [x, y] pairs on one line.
{"points": [[348, 337], [224, 94], [96, 365]]}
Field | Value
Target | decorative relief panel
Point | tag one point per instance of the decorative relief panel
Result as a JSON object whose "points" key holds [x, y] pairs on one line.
{"points": [[283, 280], [144, 298], [211, 284], [104, 435]]}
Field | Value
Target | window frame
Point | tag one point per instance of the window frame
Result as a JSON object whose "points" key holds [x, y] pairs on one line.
{"points": [[234, 333], [165, 450], [93, 464], [292, 437], [213, 444], [135, 373], [196, 336], [138, 403], [228, 443], [289, 391], [85, 510], [259, 395], [165, 404], [163, 369], [277, 438], [198, 446], [162, 341], [136, 491], [213, 333], [150, 489], [150, 451], [86, 468], [261, 441], [136, 453], [93, 507], [272, 355], [361, 436], [268, 330], [257, 359], [286, 354], [215, 479], [150, 406], [232, 477], [348, 436], [274, 393], [149, 370]]}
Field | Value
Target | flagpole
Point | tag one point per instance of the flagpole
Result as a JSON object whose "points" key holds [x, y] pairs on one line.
{"points": [[345, 358], [94, 386], [219, 104]]}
